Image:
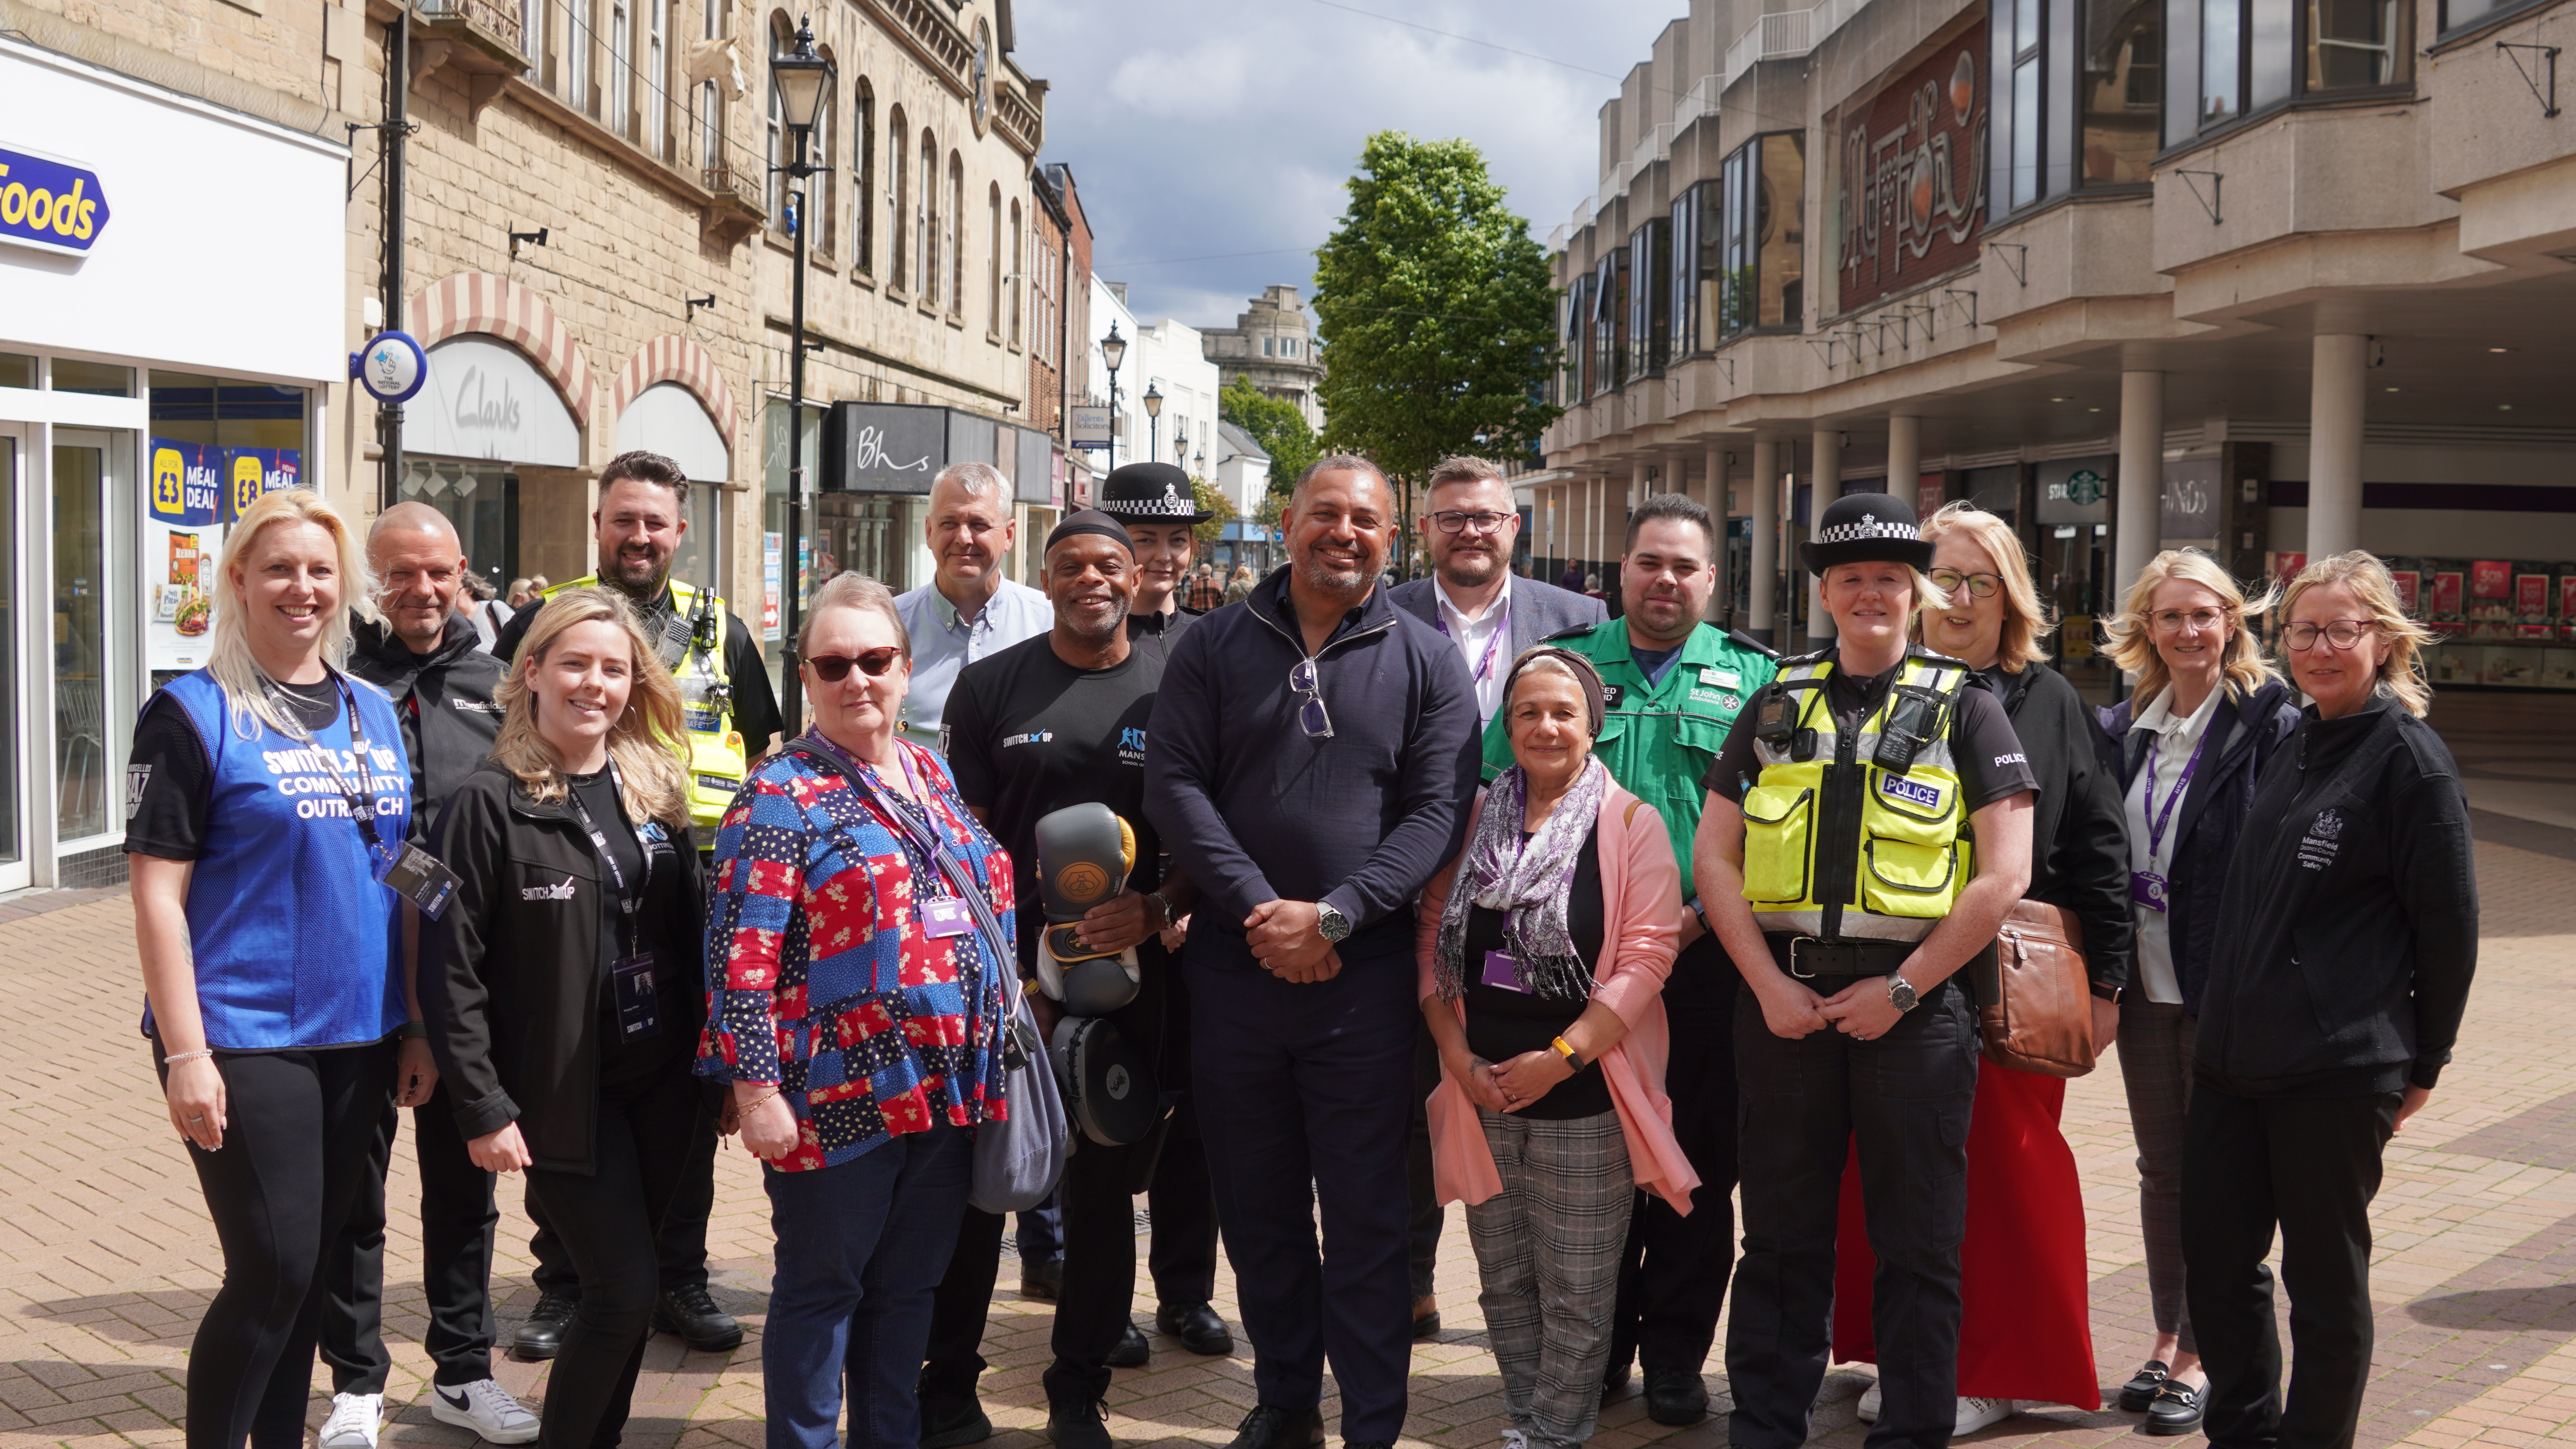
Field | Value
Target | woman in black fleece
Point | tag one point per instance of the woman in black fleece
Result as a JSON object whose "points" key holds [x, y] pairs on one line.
{"points": [[2346, 940]]}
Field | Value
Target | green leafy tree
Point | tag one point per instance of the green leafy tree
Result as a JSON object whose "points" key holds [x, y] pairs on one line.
{"points": [[1211, 499], [1277, 425], [1439, 315]]}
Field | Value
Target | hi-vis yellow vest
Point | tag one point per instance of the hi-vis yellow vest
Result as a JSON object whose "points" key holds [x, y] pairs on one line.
{"points": [[1838, 847], [716, 757]]}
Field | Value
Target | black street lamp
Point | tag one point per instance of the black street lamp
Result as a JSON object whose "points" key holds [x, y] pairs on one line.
{"points": [[1113, 350], [1153, 410], [803, 80]]}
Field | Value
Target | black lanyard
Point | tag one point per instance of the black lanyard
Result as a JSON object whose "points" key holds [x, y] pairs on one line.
{"points": [[362, 801], [627, 902]]}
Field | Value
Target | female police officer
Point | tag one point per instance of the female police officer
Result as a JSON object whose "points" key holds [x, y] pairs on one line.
{"points": [[1836, 864]]}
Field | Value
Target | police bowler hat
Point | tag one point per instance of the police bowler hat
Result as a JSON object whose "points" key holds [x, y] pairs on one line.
{"points": [[1865, 528]]}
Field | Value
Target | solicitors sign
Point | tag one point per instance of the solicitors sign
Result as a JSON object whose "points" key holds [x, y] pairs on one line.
{"points": [[50, 203], [1914, 174]]}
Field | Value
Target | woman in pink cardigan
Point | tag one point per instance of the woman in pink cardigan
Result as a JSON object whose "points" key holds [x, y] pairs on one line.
{"points": [[1543, 950]]}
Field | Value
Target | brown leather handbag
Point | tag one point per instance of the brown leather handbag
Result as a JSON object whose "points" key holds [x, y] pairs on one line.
{"points": [[2038, 1014]]}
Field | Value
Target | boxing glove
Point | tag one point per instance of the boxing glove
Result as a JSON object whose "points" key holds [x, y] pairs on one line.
{"points": [[1084, 855]]}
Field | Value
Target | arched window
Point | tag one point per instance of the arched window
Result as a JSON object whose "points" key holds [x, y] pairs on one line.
{"points": [[780, 42], [1019, 279], [863, 231], [899, 214], [657, 79], [823, 188], [993, 249], [926, 222], [956, 235]]}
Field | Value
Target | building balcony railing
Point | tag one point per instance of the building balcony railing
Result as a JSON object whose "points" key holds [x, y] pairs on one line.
{"points": [[498, 21]]}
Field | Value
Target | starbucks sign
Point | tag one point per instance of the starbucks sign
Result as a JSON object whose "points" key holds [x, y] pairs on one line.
{"points": [[2075, 490], [2086, 488]]}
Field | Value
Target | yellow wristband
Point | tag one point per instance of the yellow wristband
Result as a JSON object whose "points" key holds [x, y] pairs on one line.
{"points": [[1571, 1058]]}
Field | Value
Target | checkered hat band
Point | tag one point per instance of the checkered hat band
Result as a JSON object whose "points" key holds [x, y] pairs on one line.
{"points": [[1165, 506], [1868, 528]]}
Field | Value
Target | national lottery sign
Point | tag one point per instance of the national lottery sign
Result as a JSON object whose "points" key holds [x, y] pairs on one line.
{"points": [[50, 203]]}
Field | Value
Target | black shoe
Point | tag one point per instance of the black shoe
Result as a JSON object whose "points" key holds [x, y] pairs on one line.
{"points": [[1042, 1281], [541, 1336], [694, 1316], [951, 1423], [1273, 1428], [1426, 1318], [2140, 1391], [2177, 1410], [1614, 1377], [1132, 1350], [1675, 1397], [1197, 1327], [1076, 1421], [1368, 1444]]}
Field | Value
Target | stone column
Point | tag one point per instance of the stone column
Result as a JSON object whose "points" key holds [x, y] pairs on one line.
{"points": [[1721, 588], [2139, 523], [1766, 535], [1904, 455], [2335, 395], [1825, 479]]}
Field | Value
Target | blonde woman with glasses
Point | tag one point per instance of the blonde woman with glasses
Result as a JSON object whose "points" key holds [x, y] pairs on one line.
{"points": [[2024, 1333], [2187, 747], [2346, 941]]}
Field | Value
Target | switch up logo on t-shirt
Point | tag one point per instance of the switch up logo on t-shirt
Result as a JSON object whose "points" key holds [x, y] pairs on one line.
{"points": [[1131, 747]]}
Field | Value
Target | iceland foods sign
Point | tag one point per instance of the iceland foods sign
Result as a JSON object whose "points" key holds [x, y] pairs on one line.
{"points": [[50, 203]]}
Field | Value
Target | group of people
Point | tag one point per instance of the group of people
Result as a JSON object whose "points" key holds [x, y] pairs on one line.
{"points": [[1457, 891]]}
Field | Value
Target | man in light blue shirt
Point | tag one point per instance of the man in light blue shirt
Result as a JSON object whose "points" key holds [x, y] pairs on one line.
{"points": [[968, 609]]}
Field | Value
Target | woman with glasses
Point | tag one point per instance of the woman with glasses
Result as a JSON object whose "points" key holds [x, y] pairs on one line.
{"points": [[2346, 940], [857, 1012], [2187, 747], [2024, 1333]]}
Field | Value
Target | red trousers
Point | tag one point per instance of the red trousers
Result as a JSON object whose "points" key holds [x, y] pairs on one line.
{"points": [[2025, 1330]]}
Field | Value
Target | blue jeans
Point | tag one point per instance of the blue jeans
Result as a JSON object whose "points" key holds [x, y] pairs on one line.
{"points": [[860, 1247]]}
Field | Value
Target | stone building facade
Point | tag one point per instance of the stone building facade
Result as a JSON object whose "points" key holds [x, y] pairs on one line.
{"points": [[1060, 312], [1272, 343]]}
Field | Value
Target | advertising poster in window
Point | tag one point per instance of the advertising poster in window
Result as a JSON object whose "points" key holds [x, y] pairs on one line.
{"points": [[1914, 174], [2531, 606], [181, 540], [2446, 614], [2408, 584], [2490, 579], [2567, 607], [772, 603]]}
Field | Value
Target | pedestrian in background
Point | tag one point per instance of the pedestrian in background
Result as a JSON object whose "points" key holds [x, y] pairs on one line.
{"points": [[2188, 745], [264, 791], [857, 1016], [428, 662], [1207, 591], [566, 1012], [2347, 937], [1310, 758], [1240, 585], [970, 609], [518, 594], [1542, 951], [2025, 1333]]}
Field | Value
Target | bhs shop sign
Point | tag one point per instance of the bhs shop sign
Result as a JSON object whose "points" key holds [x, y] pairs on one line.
{"points": [[50, 203]]}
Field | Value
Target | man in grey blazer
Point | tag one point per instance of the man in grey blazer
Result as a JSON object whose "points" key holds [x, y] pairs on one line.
{"points": [[1470, 527]]}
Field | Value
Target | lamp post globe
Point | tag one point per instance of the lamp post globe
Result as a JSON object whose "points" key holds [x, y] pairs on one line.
{"points": [[1113, 351], [1153, 410]]}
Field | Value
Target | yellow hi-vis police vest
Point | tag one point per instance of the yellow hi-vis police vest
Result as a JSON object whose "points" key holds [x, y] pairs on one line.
{"points": [[716, 757], [1838, 846]]}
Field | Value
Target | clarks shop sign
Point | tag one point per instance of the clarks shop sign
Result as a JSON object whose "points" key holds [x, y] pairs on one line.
{"points": [[50, 203]]}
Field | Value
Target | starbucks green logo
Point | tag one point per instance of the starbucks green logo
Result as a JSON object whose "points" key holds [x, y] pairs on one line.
{"points": [[2086, 488]]}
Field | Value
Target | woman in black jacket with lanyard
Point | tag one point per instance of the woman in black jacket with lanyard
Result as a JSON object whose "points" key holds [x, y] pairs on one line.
{"points": [[2187, 746], [2346, 940], [570, 985]]}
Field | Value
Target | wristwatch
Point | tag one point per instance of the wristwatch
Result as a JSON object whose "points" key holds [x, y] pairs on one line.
{"points": [[1330, 923], [1900, 993]]}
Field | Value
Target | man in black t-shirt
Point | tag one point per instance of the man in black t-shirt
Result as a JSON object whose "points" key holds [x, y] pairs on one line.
{"points": [[1050, 722]]}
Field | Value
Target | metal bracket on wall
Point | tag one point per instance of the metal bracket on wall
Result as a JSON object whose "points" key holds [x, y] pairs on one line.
{"points": [[2209, 202], [2547, 76], [1827, 354], [1969, 311], [1913, 312], [1727, 363], [2019, 266]]}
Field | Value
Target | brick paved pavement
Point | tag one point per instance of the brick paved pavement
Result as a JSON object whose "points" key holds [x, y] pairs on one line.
{"points": [[106, 1259]]}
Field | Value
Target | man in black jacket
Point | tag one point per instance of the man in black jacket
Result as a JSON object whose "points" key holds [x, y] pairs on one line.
{"points": [[427, 658], [1310, 759]]}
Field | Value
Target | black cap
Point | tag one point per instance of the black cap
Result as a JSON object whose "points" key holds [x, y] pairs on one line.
{"points": [[1090, 520], [1149, 493], [1865, 528]]}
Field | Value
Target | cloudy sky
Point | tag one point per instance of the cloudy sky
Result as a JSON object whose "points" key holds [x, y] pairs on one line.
{"points": [[1202, 130]]}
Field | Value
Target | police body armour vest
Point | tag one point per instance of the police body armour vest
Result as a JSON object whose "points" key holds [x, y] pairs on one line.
{"points": [[1840, 840], [715, 746]]}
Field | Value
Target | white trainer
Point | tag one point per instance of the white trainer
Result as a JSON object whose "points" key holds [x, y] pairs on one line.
{"points": [[1975, 1414], [1869, 1403], [484, 1407], [1515, 1439], [353, 1422]]}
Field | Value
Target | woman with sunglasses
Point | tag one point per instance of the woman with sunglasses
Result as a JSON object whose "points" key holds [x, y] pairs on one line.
{"points": [[2187, 746], [2346, 940], [857, 1014], [2025, 1333]]}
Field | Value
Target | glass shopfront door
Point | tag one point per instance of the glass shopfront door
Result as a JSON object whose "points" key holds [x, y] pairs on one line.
{"points": [[13, 775], [91, 498]]}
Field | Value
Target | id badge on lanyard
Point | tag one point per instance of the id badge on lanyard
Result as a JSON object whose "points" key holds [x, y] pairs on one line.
{"points": [[2148, 888], [639, 1010], [409, 871], [639, 1013]]}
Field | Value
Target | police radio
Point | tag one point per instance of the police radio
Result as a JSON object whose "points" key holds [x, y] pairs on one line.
{"points": [[1912, 721]]}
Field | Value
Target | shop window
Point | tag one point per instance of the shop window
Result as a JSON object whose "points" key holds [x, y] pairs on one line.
{"points": [[481, 501], [103, 379], [2229, 59], [17, 370], [1762, 229], [1650, 297]]}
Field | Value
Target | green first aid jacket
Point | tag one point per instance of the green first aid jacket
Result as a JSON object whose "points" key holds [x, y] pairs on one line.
{"points": [[1659, 740]]}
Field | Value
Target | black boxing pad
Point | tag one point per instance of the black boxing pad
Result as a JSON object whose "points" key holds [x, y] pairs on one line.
{"points": [[1110, 1091]]}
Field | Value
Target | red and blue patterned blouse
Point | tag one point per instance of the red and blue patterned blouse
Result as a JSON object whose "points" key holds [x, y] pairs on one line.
{"points": [[824, 980]]}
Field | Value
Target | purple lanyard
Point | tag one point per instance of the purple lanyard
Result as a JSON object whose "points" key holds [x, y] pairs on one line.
{"points": [[2156, 820], [1502, 626]]}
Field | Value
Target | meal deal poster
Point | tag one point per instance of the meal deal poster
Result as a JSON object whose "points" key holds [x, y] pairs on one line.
{"points": [[196, 490]]}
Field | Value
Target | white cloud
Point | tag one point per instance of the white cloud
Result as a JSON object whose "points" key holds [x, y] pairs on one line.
{"points": [[1211, 128]]}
